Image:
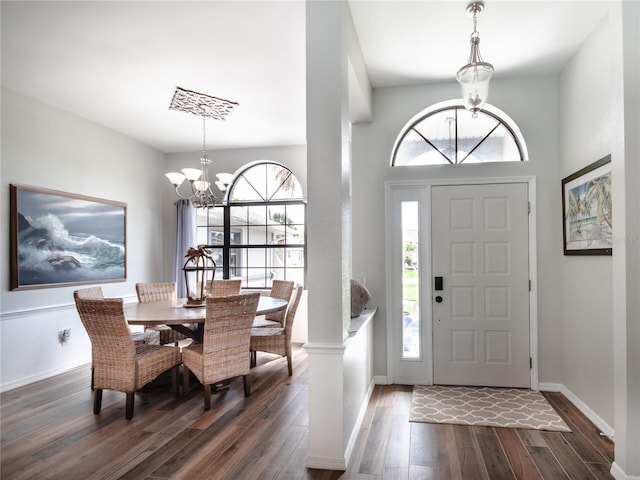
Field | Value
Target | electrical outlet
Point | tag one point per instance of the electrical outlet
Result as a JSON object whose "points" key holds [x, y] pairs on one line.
{"points": [[64, 335]]}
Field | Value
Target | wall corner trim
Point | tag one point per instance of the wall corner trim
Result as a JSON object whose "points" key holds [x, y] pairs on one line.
{"points": [[324, 348], [619, 474], [604, 427]]}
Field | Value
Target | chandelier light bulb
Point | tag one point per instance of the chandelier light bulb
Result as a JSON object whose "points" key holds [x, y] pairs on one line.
{"points": [[201, 186], [175, 178], [225, 178], [192, 174]]}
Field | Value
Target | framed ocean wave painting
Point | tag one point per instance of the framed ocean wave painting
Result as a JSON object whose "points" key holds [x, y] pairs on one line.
{"points": [[586, 210], [60, 239]]}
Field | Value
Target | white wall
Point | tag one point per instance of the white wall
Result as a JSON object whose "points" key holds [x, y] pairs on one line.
{"points": [[586, 302], [46, 147], [532, 104]]}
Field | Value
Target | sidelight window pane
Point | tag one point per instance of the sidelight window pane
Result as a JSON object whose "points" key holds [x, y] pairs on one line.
{"points": [[410, 281]]}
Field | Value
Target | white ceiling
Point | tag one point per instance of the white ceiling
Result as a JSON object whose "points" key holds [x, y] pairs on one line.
{"points": [[119, 62]]}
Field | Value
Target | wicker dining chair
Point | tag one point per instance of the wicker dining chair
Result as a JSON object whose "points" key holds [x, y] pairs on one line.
{"points": [[138, 337], [118, 363], [277, 340], [223, 288], [280, 289], [148, 292], [224, 351]]}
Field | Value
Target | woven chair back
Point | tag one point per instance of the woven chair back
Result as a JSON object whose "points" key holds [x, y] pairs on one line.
{"points": [[280, 289], [155, 291], [223, 288], [227, 333], [113, 350], [291, 311], [149, 292], [91, 292]]}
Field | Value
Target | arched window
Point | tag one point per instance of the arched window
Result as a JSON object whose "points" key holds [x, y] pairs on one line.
{"points": [[266, 182], [259, 232], [446, 133]]}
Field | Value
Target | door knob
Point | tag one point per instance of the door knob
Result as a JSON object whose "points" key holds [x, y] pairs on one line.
{"points": [[438, 299]]}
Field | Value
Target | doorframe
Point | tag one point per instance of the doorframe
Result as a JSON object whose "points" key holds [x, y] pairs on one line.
{"points": [[390, 231]]}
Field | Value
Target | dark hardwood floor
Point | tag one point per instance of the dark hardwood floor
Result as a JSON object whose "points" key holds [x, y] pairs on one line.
{"points": [[48, 431]]}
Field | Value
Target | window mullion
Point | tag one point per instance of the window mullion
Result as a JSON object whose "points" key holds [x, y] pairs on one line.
{"points": [[226, 244], [480, 143], [433, 146]]}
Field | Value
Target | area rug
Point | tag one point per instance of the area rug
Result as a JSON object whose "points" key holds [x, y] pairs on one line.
{"points": [[492, 407]]}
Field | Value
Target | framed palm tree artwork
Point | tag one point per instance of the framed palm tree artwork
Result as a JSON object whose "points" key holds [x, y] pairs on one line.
{"points": [[586, 210]]}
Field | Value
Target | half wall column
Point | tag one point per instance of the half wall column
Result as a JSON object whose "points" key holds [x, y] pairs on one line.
{"points": [[329, 229]]}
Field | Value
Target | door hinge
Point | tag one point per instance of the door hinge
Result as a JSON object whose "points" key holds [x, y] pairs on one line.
{"points": [[529, 285], [529, 207], [530, 362]]}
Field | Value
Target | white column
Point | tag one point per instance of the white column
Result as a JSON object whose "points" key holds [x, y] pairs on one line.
{"points": [[328, 229]]}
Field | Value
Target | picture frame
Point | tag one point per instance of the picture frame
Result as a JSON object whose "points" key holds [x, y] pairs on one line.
{"points": [[586, 210], [60, 239]]}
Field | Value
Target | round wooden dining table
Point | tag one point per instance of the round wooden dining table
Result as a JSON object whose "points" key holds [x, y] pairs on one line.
{"points": [[174, 314]]}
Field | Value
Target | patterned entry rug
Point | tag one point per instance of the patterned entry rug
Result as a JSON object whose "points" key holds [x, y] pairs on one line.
{"points": [[492, 407]]}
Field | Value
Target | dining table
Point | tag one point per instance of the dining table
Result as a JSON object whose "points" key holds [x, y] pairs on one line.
{"points": [[177, 314]]}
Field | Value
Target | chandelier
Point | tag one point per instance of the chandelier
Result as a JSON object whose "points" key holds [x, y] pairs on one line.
{"points": [[200, 192], [475, 75]]}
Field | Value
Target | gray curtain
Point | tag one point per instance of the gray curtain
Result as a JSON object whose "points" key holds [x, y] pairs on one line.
{"points": [[185, 238]]}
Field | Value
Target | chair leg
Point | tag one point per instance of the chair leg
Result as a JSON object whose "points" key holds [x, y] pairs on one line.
{"points": [[252, 358], [97, 400], [207, 397], [185, 380], [174, 381], [92, 372], [289, 366], [247, 386], [129, 408]]}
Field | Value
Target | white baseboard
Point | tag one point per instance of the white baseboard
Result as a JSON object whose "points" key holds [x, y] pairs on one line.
{"points": [[356, 428], [381, 380], [21, 382], [620, 474], [604, 427], [326, 463]]}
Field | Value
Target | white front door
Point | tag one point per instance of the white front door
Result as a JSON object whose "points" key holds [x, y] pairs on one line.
{"points": [[480, 316]]}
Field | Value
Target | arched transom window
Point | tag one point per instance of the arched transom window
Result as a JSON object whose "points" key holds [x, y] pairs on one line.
{"points": [[446, 133]]}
